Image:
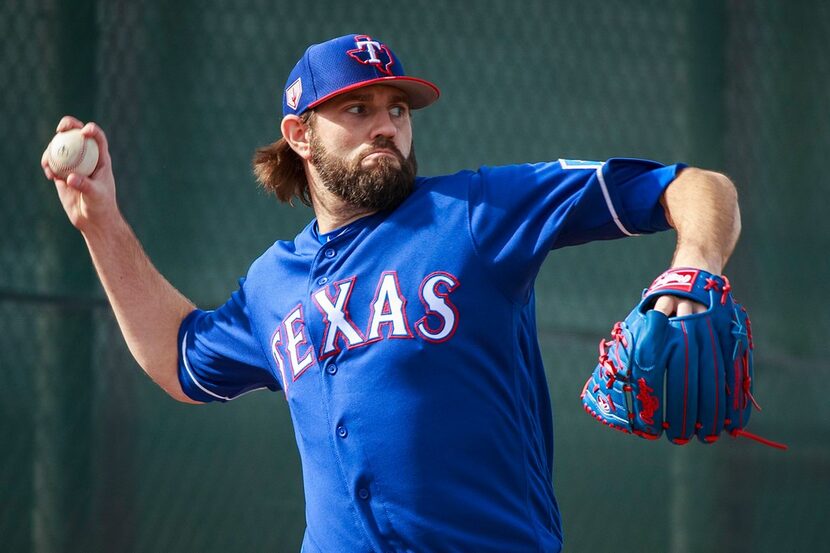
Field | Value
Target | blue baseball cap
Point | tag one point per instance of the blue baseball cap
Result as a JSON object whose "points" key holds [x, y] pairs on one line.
{"points": [[346, 63]]}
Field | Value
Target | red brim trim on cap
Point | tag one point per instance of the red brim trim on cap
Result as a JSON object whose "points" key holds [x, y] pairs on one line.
{"points": [[421, 93]]}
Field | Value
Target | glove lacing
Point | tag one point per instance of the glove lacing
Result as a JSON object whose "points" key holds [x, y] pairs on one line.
{"points": [[743, 379], [611, 368], [712, 284]]}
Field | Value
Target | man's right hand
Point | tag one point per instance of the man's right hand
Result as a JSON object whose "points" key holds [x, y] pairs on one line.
{"points": [[148, 308], [88, 201]]}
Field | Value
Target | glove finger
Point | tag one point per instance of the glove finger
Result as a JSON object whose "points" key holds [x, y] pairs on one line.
{"points": [[682, 384], [650, 349], [711, 374], [645, 394]]}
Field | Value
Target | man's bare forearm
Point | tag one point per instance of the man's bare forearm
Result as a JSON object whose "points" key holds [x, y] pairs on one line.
{"points": [[703, 207], [149, 310]]}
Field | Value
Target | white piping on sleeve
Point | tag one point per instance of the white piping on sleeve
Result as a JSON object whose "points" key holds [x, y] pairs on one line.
{"points": [[192, 376], [246, 392], [610, 205], [199, 385]]}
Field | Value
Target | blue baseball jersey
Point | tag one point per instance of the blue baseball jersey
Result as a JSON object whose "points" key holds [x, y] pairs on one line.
{"points": [[405, 345]]}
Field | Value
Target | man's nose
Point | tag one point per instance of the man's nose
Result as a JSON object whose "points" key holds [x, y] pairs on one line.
{"points": [[383, 125]]}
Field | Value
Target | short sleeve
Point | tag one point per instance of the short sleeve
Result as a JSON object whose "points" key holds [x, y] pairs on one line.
{"points": [[220, 357], [519, 213]]}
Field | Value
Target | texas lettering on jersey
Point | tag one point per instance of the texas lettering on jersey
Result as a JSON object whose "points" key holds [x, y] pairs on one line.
{"points": [[387, 316]]}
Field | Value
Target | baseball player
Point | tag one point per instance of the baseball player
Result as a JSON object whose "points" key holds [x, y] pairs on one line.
{"points": [[399, 324]]}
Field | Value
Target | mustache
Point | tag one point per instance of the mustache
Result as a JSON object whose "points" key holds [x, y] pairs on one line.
{"points": [[383, 143]]}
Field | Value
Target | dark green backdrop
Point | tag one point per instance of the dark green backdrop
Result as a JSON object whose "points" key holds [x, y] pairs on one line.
{"points": [[96, 458]]}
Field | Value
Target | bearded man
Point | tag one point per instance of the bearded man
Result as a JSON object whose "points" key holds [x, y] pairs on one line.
{"points": [[399, 324]]}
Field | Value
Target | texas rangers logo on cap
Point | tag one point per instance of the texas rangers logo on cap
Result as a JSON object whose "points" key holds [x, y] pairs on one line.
{"points": [[344, 64], [372, 52]]}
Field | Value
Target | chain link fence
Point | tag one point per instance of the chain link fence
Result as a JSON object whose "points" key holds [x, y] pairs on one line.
{"points": [[96, 458]]}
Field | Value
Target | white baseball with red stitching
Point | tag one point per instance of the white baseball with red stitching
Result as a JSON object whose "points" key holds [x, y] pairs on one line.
{"points": [[72, 152]]}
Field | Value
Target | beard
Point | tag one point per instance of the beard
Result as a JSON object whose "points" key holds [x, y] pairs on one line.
{"points": [[382, 186]]}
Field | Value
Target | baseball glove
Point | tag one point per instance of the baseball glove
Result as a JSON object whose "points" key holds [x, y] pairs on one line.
{"points": [[688, 376]]}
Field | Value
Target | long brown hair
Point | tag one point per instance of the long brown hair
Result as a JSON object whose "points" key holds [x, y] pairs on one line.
{"points": [[279, 170]]}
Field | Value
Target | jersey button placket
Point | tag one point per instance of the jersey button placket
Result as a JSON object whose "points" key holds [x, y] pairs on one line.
{"points": [[349, 446]]}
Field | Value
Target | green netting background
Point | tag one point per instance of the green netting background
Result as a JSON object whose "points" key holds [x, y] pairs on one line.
{"points": [[95, 458]]}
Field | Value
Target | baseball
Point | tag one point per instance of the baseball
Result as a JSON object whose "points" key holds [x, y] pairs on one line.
{"points": [[72, 152]]}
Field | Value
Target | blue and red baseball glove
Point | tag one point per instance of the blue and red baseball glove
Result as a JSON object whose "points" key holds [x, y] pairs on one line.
{"points": [[685, 376]]}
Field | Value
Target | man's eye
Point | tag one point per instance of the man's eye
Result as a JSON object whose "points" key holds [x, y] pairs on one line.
{"points": [[356, 109], [398, 111]]}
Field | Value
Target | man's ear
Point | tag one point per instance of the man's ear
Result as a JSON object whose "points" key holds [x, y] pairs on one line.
{"points": [[296, 133]]}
